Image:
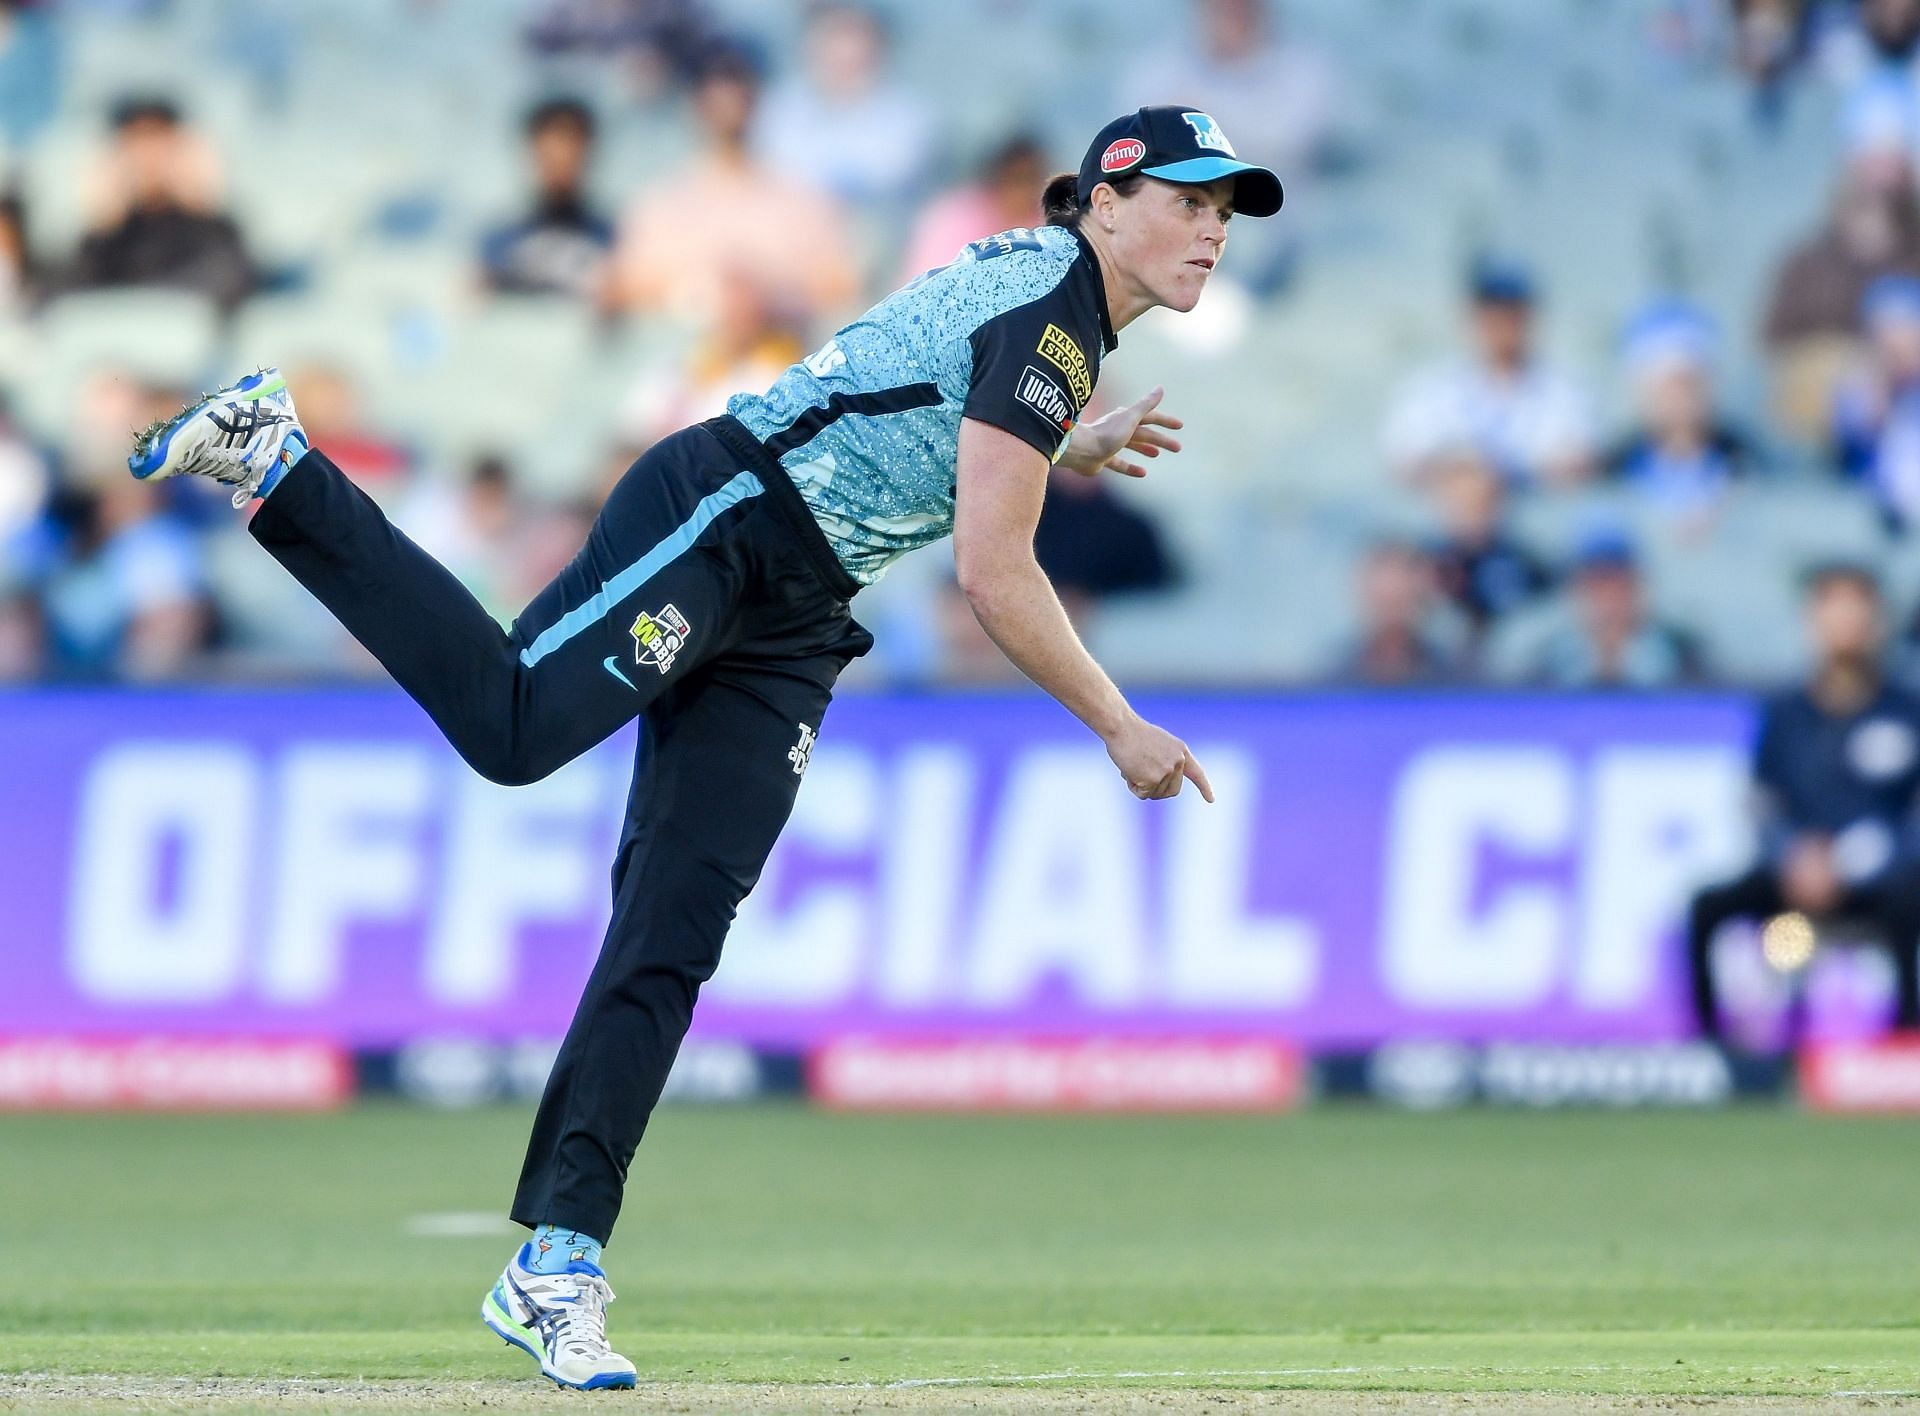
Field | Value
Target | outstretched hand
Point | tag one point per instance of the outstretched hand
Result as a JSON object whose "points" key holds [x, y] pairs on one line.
{"points": [[1134, 428]]}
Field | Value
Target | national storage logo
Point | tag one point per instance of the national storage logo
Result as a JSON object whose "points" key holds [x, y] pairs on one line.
{"points": [[1057, 348]]}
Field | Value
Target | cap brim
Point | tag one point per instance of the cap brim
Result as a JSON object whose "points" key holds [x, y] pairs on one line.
{"points": [[1256, 191]]}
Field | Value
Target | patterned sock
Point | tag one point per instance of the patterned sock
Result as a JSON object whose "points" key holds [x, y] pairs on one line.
{"points": [[555, 1246], [291, 451]]}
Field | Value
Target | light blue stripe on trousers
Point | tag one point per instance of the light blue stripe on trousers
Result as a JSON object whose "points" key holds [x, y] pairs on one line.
{"points": [[641, 571]]}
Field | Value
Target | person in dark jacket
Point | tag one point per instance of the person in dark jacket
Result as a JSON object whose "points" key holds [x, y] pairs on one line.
{"points": [[559, 244], [161, 231], [1837, 769]]}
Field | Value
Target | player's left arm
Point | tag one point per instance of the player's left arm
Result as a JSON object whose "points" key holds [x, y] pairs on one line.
{"points": [[1135, 428]]}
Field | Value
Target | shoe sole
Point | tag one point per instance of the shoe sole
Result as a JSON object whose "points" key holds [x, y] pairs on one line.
{"points": [[144, 468], [515, 1335]]}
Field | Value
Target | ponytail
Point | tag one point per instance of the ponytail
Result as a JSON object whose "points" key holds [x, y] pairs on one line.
{"points": [[1060, 202]]}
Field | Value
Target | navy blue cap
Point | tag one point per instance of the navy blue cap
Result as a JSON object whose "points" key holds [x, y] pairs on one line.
{"points": [[1497, 280], [1176, 144], [1605, 548]]}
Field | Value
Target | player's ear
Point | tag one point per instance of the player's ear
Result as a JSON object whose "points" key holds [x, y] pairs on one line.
{"points": [[1102, 200]]}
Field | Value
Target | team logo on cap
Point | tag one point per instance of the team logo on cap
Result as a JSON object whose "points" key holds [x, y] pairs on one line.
{"points": [[1123, 153], [1207, 133]]}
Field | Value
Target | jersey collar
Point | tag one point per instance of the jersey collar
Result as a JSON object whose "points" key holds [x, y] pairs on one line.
{"points": [[1108, 338]]}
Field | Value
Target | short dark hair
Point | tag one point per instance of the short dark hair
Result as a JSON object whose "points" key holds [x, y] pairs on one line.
{"points": [[730, 60], [143, 108], [562, 109], [1015, 148], [1825, 574], [1060, 203]]}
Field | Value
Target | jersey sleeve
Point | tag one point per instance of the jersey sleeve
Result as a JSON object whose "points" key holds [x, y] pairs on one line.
{"points": [[1032, 373]]}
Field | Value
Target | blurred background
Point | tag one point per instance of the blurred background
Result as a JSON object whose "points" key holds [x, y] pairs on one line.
{"points": [[1569, 410]]}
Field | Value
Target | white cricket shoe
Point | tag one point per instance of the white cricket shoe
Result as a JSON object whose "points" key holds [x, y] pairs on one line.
{"points": [[236, 436], [560, 1320]]}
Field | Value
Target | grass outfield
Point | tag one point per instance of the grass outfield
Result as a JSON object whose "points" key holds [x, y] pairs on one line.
{"points": [[775, 1258]]}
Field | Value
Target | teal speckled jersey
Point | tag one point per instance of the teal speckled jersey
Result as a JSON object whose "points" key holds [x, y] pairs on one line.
{"points": [[868, 426]]}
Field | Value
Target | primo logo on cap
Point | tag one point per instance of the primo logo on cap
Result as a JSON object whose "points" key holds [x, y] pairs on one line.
{"points": [[1207, 133], [1122, 153]]}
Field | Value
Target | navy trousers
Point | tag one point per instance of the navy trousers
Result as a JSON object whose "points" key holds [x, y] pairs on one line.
{"points": [[707, 603]]}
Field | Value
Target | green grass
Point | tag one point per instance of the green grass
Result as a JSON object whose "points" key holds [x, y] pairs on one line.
{"points": [[1742, 1252]]}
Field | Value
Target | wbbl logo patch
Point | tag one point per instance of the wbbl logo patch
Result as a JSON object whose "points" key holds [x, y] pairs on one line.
{"points": [[1045, 397], [659, 637], [1059, 350]]}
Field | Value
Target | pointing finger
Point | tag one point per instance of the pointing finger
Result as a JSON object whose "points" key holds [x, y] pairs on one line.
{"points": [[1199, 777]]}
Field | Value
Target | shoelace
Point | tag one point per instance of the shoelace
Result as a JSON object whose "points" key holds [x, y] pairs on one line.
{"points": [[228, 466], [582, 1329]]}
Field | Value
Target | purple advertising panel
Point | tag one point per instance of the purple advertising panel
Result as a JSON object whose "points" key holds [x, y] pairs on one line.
{"points": [[321, 865]]}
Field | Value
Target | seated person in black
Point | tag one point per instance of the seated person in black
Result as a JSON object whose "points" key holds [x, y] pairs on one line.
{"points": [[1836, 771]]}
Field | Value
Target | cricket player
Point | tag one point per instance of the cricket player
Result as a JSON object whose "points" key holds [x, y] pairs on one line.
{"points": [[711, 602]]}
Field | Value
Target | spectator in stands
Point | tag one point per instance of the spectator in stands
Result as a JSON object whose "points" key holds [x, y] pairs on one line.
{"points": [[964, 656], [120, 578], [1683, 453], [31, 70], [559, 247], [1400, 642], [23, 481], [1093, 545], [1610, 638], [1875, 53], [660, 43], [752, 219], [1530, 418], [1006, 194], [1812, 325], [748, 345], [1278, 96], [1478, 566], [1837, 771], [841, 123], [1876, 418], [1769, 41], [155, 221], [550, 536], [330, 408], [22, 633], [472, 528], [17, 271]]}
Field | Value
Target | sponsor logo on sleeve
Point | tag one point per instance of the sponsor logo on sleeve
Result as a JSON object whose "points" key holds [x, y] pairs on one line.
{"points": [[1058, 349], [1045, 397], [1020, 238], [659, 637], [1123, 153], [1207, 133]]}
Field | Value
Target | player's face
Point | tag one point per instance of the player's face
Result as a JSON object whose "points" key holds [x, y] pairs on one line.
{"points": [[1168, 237]]}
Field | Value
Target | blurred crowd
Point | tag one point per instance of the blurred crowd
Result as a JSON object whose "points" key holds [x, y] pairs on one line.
{"points": [[757, 239]]}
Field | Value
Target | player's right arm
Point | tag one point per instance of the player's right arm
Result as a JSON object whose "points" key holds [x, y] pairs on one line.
{"points": [[999, 487]]}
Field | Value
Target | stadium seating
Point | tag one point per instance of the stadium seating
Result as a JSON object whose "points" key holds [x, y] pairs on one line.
{"points": [[1554, 131]]}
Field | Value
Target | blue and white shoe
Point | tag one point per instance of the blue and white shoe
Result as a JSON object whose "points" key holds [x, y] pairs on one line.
{"points": [[240, 437], [560, 1320]]}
